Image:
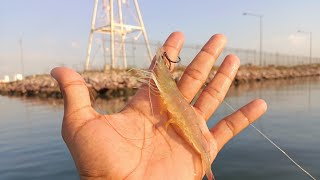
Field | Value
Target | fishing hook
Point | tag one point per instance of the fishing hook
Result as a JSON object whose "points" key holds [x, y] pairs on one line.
{"points": [[170, 61]]}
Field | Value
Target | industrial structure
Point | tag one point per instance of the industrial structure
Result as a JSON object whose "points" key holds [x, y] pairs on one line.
{"points": [[117, 21]]}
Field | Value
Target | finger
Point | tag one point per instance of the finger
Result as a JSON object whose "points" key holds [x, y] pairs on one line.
{"points": [[212, 95], [172, 47], [198, 70], [231, 125], [75, 93]]}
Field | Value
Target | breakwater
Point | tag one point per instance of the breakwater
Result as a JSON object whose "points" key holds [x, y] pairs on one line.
{"points": [[119, 83]]}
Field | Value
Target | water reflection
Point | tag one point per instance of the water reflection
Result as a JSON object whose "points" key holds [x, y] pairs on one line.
{"points": [[276, 90], [38, 101]]}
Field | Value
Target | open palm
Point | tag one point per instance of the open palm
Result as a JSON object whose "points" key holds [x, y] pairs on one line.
{"points": [[134, 143]]}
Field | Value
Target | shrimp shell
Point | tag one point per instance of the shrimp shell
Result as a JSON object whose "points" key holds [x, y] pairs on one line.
{"points": [[180, 112]]}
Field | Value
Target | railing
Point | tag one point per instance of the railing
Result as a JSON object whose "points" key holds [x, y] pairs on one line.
{"points": [[137, 56]]}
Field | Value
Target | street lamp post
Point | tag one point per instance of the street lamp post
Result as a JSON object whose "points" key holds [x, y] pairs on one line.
{"points": [[21, 55], [310, 41], [260, 18]]}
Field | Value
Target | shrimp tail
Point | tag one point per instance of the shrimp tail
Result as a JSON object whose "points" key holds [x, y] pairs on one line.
{"points": [[206, 164]]}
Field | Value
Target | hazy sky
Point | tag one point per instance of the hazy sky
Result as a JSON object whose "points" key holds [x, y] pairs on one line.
{"points": [[56, 32]]}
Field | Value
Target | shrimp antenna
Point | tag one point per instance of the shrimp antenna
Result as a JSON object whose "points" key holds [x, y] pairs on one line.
{"points": [[275, 145], [170, 61]]}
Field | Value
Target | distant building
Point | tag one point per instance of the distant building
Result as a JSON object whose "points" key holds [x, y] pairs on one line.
{"points": [[16, 77], [6, 79]]}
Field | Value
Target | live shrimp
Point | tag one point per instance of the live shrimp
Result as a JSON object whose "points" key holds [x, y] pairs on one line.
{"points": [[181, 114]]}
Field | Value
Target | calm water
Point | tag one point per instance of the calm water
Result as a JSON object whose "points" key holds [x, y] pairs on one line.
{"points": [[31, 146]]}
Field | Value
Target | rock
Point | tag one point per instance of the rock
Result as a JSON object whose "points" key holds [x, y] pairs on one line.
{"points": [[122, 82]]}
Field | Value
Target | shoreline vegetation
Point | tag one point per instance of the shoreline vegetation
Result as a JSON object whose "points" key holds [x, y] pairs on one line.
{"points": [[123, 83]]}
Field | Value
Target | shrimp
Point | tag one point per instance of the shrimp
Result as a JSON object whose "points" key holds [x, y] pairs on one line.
{"points": [[180, 112]]}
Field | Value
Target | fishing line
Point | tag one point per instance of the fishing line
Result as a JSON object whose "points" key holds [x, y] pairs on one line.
{"points": [[275, 145]]}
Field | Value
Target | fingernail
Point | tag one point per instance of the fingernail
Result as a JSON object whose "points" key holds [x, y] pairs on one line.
{"points": [[53, 73]]}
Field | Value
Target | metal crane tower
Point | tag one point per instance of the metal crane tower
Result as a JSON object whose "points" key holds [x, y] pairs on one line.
{"points": [[115, 26]]}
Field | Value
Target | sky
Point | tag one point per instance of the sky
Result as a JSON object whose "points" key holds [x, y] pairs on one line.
{"points": [[55, 33]]}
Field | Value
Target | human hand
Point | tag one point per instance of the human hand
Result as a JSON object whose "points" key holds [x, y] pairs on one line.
{"points": [[134, 143]]}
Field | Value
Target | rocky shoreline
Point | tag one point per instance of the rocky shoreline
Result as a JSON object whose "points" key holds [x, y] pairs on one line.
{"points": [[119, 83]]}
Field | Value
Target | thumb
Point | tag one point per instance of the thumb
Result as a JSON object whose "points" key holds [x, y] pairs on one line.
{"points": [[75, 94]]}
